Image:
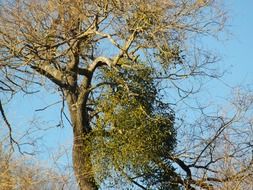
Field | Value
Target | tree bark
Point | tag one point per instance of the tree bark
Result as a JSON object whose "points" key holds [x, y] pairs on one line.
{"points": [[81, 157], [82, 164]]}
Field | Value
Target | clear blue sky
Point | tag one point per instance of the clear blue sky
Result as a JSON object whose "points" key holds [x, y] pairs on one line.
{"points": [[236, 52]]}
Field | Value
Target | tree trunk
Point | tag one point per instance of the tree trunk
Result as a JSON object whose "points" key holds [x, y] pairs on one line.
{"points": [[82, 164], [81, 157]]}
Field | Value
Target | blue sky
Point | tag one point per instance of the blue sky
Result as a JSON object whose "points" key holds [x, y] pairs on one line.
{"points": [[236, 51]]}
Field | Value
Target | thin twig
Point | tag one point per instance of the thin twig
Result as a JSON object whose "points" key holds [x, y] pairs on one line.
{"points": [[12, 140]]}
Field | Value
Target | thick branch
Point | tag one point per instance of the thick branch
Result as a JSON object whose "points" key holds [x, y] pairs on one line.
{"points": [[51, 73], [100, 61], [126, 47], [84, 72], [185, 167], [86, 83]]}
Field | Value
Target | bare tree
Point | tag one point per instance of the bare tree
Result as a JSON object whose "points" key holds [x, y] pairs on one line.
{"points": [[97, 54], [26, 173], [217, 151]]}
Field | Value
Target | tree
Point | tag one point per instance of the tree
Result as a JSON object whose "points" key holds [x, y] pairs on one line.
{"points": [[5, 179], [109, 60], [26, 174]]}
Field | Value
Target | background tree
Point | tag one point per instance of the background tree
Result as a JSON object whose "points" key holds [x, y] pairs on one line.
{"points": [[5, 177], [111, 61], [27, 174]]}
